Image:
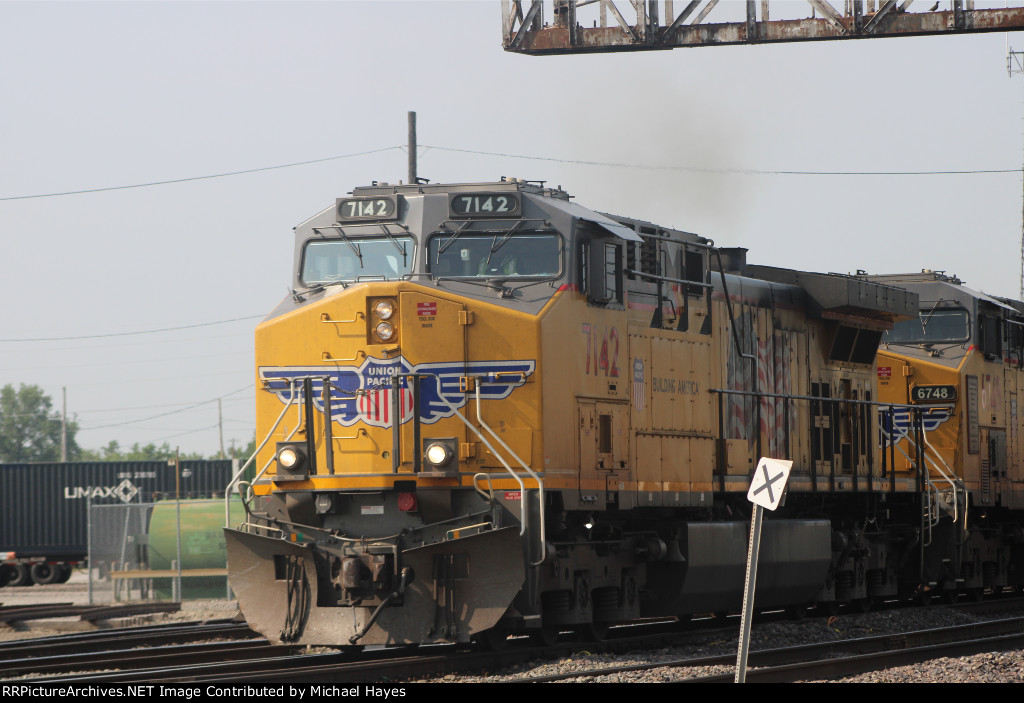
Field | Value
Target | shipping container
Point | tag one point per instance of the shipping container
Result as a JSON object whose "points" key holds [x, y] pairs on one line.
{"points": [[44, 507]]}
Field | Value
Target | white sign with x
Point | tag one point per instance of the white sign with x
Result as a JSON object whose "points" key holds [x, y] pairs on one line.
{"points": [[769, 482]]}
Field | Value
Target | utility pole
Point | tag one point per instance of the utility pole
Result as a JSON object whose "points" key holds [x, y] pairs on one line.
{"points": [[1014, 65], [220, 426], [412, 148], [64, 426]]}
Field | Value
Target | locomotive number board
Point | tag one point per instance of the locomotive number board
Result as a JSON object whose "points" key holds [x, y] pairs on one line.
{"points": [[384, 207], [485, 205], [933, 394]]}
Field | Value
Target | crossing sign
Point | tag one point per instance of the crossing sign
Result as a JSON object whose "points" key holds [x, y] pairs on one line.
{"points": [[769, 482]]}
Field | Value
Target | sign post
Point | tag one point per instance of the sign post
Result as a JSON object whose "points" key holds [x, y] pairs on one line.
{"points": [[765, 491]]}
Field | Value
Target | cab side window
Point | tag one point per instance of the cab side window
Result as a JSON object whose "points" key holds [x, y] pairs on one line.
{"points": [[600, 271], [991, 336]]}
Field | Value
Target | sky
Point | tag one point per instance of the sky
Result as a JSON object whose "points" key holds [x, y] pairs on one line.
{"points": [[100, 96]]}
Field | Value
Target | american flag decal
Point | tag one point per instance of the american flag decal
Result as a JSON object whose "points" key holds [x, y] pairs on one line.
{"points": [[375, 406], [639, 386]]}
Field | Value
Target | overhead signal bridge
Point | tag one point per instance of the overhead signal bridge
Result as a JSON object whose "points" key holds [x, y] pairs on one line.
{"points": [[591, 26]]}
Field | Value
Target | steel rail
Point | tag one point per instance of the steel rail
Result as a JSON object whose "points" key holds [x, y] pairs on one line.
{"points": [[166, 655], [103, 640]]}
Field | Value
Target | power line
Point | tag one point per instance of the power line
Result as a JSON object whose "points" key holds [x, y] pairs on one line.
{"points": [[128, 334], [197, 178], [143, 343], [184, 433], [687, 169], [149, 380], [122, 363], [144, 407], [171, 412], [748, 171]]}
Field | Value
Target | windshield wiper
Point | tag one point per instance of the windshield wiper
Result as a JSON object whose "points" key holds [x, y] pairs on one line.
{"points": [[348, 240], [497, 243], [451, 240], [398, 245], [926, 318]]}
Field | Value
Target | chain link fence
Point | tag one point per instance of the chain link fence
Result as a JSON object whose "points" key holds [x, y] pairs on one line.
{"points": [[169, 550]]}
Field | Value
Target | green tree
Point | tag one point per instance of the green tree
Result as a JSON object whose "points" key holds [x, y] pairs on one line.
{"points": [[243, 453], [113, 452], [30, 430]]}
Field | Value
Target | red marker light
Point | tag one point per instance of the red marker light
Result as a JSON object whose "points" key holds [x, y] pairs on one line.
{"points": [[406, 501]]}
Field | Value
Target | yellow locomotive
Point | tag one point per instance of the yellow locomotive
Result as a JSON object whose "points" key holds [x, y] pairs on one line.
{"points": [[487, 409], [956, 371]]}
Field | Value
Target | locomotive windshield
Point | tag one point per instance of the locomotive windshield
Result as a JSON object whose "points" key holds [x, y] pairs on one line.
{"points": [[933, 325], [494, 254], [329, 260]]}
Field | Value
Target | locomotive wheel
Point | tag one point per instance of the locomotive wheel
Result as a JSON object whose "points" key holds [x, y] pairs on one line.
{"points": [[796, 612], [18, 575], [594, 631], [546, 636], [830, 607], [45, 573], [950, 595], [494, 640], [65, 573], [861, 605]]}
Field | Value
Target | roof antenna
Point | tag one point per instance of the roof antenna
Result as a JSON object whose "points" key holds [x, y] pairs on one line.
{"points": [[412, 148], [413, 178], [1012, 58]]}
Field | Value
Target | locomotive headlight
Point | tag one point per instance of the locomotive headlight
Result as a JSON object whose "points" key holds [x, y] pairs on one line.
{"points": [[288, 458], [439, 454], [384, 309], [292, 460], [384, 331]]}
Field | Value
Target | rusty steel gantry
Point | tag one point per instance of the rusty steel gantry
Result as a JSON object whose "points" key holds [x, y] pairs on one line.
{"points": [[735, 23]]}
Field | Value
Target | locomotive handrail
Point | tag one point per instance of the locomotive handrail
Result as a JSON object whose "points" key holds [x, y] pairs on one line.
{"points": [[789, 396], [248, 495], [490, 486], [454, 532], [523, 513], [262, 527], [952, 481], [238, 475], [538, 479], [326, 356], [929, 456], [655, 277], [324, 317]]}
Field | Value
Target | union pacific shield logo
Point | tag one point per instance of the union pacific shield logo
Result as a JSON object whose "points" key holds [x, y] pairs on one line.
{"points": [[899, 424], [364, 393]]}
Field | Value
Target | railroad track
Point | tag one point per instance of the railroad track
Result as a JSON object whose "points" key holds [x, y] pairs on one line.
{"points": [[254, 661], [90, 613], [828, 660], [100, 641]]}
